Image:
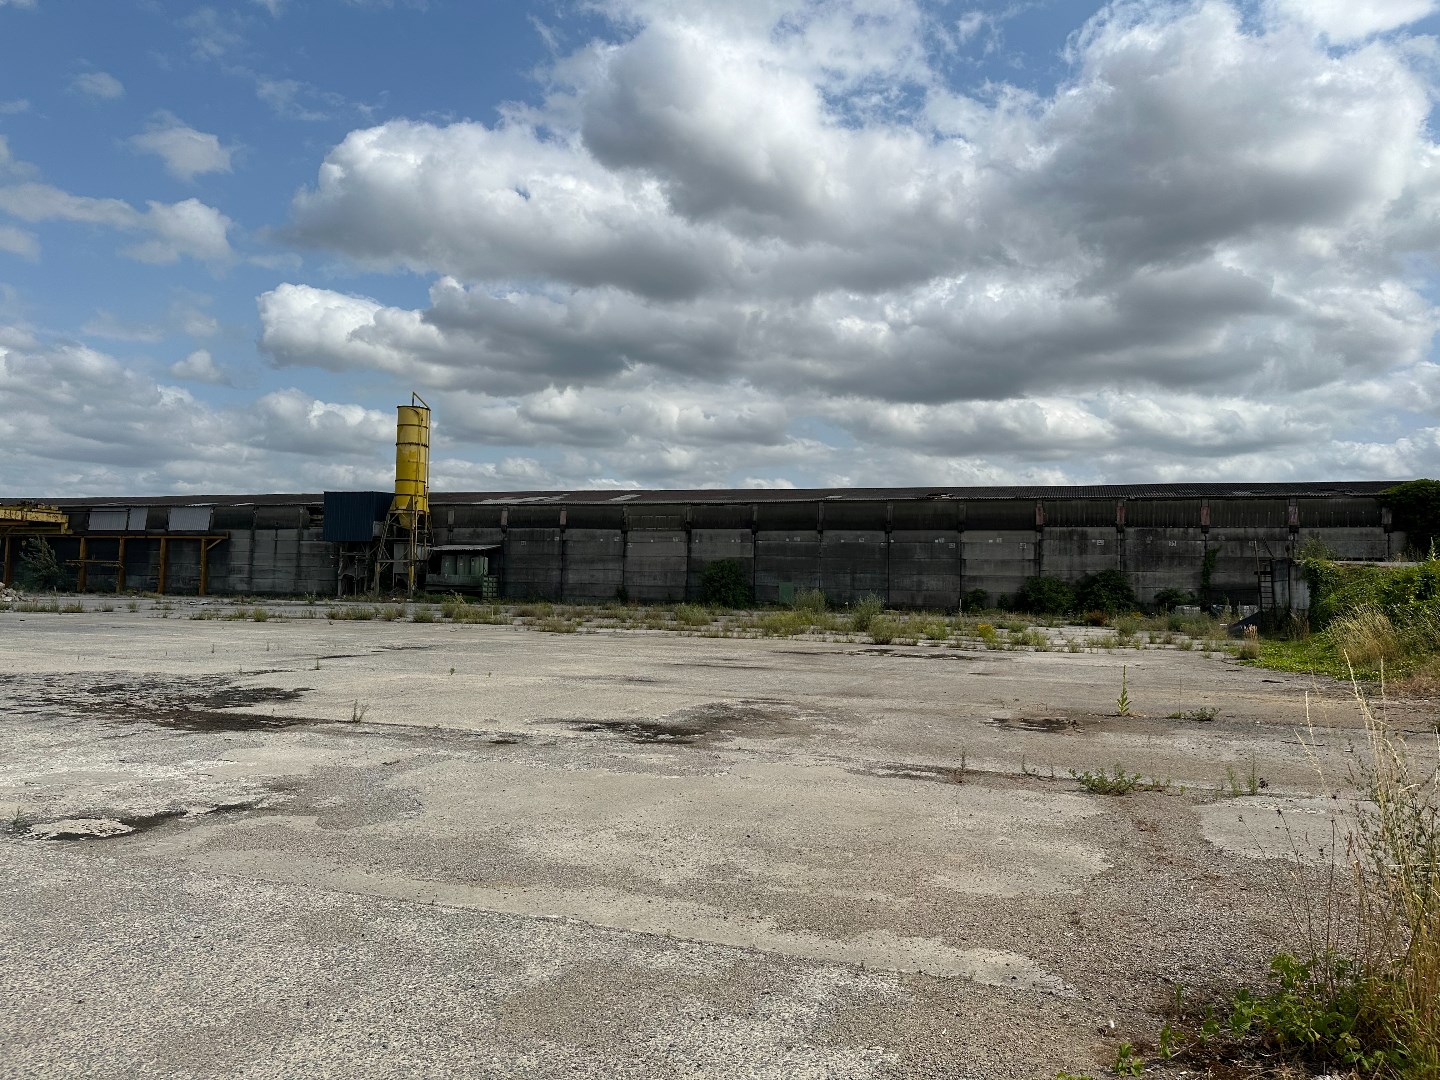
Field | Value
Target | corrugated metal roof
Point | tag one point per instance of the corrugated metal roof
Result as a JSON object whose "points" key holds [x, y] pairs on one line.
{"points": [[1361, 488]]}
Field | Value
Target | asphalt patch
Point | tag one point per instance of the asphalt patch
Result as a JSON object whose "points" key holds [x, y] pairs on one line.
{"points": [[1050, 724], [197, 703], [714, 721], [935, 774]]}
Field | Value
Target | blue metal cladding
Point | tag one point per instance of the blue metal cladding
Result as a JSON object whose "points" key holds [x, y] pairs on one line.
{"points": [[350, 516]]}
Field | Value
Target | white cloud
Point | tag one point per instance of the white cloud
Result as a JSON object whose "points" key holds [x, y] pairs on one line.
{"points": [[19, 242], [792, 203], [98, 84], [777, 242], [14, 106], [77, 420], [187, 153], [1346, 21], [175, 230], [199, 366]]}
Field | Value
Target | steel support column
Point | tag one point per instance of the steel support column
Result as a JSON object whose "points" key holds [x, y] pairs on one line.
{"points": [[164, 564], [81, 575], [120, 568]]}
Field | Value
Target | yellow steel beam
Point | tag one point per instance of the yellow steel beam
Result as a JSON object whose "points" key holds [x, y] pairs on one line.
{"points": [[34, 518]]}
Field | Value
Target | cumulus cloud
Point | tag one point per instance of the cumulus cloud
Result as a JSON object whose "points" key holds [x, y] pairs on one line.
{"points": [[199, 366], [1346, 21], [77, 420], [1189, 254], [19, 242], [98, 84], [188, 229], [187, 153]]}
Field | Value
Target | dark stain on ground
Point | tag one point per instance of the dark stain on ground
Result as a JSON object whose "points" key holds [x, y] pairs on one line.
{"points": [[948, 652], [1035, 723], [196, 703], [724, 665], [890, 770], [711, 722]]}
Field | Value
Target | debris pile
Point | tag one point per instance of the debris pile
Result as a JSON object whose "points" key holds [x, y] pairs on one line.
{"points": [[9, 595]]}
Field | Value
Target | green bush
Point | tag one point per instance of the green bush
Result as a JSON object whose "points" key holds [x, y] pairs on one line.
{"points": [[726, 584], [1170, 599], [1108, 591], [811, 600], [1046, 596], [865, 611], [975, 600], [883, 630]]}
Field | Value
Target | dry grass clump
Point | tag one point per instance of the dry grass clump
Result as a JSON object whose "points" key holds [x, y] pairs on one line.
{"points": [[692, 615], [1366, 636], [1395, 856]]}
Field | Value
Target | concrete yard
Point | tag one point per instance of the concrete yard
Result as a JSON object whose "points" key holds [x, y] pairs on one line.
{"points": [[370, 849]]}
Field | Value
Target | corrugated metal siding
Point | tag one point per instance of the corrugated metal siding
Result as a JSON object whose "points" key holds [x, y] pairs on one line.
{"points": [[735, 516], [1078, 513], [1163, 513], [594, 517], [942, 514], [535, 517], [1249, 513], [190, 518], [1339, 513], [779, 516], [662, 516], [109, 520], [350, 516]]}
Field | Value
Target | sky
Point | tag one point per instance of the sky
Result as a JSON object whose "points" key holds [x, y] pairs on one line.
{"points": [[695, 243]]}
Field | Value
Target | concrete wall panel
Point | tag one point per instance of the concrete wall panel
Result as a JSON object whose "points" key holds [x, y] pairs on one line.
{"points": [[789, 558], [594, 564], [532, 565], [853, 563], [1072, 553], [998, 560], [715, 545], [655, 564], [925, 569]]}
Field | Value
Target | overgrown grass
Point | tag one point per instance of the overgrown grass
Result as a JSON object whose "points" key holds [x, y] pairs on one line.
{"points": [[864, 612], [1363, 998]]}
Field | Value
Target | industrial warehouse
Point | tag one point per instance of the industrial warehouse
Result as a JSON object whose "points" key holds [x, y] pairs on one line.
{"points": [[913, 547]]}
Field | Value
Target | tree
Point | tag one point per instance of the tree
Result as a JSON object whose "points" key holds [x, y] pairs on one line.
{"points": [[1108, 591], [726, 583], [1046, 596], [39, 570]]}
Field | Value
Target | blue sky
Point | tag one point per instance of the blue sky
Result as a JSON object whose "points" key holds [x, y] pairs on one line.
{"points": [[663, 244]]}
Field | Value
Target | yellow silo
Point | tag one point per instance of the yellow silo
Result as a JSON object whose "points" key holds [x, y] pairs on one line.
{"points": [[412, 461]]}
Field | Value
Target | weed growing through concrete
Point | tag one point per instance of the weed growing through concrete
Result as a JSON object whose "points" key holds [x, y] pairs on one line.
{"points": [[1122, 703], [1248, 783], [1250, 645], [1103, 783], [1364, 998], [883, 630], [864, 612]]}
